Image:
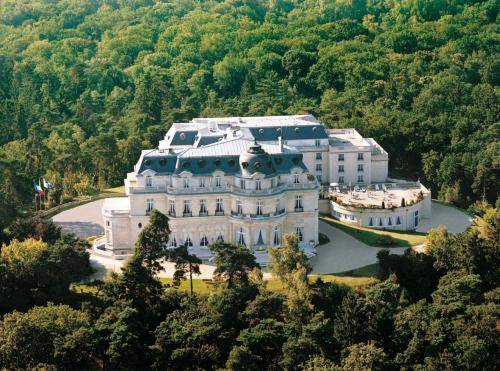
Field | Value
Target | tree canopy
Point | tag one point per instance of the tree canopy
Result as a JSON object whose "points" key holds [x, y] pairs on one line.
{"points": [[85, 85]]}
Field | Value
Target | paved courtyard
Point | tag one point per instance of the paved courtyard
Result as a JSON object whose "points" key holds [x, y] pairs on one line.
{"points": [[342, 253]]}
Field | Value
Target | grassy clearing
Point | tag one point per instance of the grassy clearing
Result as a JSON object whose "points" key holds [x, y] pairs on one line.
{"points": [[119, 190], [371, 236], [206, 286]]}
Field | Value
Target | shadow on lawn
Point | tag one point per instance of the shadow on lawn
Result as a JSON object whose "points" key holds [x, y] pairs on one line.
{"points": [[372, 237]]}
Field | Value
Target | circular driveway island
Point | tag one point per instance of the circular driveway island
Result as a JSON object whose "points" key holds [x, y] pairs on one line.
{"points": [[343, 252]]}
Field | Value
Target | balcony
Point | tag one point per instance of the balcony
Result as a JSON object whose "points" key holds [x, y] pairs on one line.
{"points": [[225, 188], [196, 190], [299, 209], [219, 213], [279, 212], [238, 215], [203, 213], [187, 214], [171, 213]]}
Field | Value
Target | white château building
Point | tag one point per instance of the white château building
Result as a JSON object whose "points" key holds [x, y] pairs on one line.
{"points": [[245, 180]]}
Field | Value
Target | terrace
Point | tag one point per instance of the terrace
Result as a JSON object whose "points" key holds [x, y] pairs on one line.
{"points": [[379, 195]]}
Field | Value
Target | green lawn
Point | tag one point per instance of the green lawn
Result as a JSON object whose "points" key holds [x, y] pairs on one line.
{"points": [[119, 190], [371, 236]]}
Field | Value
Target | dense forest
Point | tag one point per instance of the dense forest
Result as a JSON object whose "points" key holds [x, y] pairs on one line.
{"points": [[434, 311], [86, 84]]}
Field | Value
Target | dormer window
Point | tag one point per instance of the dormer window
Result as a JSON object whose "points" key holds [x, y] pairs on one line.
{"points": [[296, 178], [202, 182], [258, 184], [186, 183], [149, 181], [317, 143], [242, 183]]}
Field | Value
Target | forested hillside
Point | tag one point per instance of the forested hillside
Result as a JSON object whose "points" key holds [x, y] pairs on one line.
{"points": [[85, 85]]}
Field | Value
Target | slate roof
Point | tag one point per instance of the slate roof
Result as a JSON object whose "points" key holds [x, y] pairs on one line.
{"points": [[223, 156], [272, 133], [184, 138]]}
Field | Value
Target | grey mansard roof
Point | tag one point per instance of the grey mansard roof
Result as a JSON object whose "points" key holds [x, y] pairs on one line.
{"points": [[233, 157]]}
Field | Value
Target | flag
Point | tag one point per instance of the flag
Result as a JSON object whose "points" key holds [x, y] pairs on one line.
{"points": [[47, 185], [38, 189]]}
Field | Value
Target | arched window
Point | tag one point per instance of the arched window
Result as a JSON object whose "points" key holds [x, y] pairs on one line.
{"points": [[173, 241], [371, 222], [204, 241], [188, 242], [220, 237], [149, 181], [398, 221]]}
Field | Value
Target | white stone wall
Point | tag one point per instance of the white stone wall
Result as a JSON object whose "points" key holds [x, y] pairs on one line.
{"points": [[362, 217], [350, 164]]}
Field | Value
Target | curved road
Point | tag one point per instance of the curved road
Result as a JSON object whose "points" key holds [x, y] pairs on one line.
{"points": [[341, 254]]}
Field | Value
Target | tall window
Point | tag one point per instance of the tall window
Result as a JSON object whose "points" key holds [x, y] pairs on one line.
{"points": [[172, 242], [371, 222], [318, 178], [239, 207], [188, 241], [277, 206], [149, 181], [187, 208], [341, 180], [398, 221], [220, 237], [276, 239], [341, 157], [218, 181], [203, 207], [204, 241], [318, 167], [300, 233], [341, 168], [360, 156], [259, 207], [202, 182], [318, 156], [361, 179], [242, 184], [298, 203], [360, 167], [171, 207], [415, 219], [317, 142], [240, 237], [296, 178], [149, 205], [219, 206], [258, 184], [186, 183]]}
